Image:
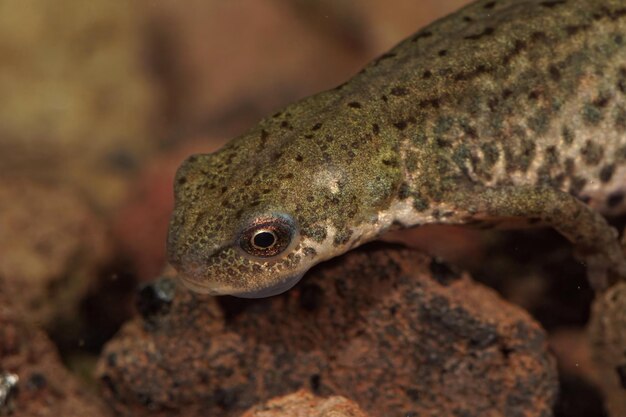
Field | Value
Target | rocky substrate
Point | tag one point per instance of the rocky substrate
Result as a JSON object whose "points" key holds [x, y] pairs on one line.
{"points": [[389, 328], [33, 381]]}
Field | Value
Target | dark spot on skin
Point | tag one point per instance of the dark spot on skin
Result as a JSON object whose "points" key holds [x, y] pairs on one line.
{"points": [[404, 191], [375, 129], [308, 136], [488, 31], [299, 158], [264, 136], [401, 125], [399, 91], [223, 189], [489, 5], [621, 82], [518, 47], [354, 105], [615, 199], [342, 237], [464, 76], [278, 114], [551, 4], [316, 126], [568, 135], [506, 93], [592, 153], [539, 36], [384, 98], [606, 173], [467, 19], [577, 184], [533, 95], [427, 74], [311, 297], [555, 73], [421, 36], [620, 119], [442, 52], [420, 204], [572, 30], [182, 180], [285, 124]]}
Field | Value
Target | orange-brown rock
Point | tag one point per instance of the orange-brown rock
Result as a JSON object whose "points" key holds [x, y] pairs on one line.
{"points": [[305, 404], [33, 382], [389, 328], [52, 245]]}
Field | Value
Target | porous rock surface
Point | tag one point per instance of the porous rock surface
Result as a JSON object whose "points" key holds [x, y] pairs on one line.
{"points": [[608, 341], [52, 245], [389, 328], [304, 404], [33, 382]]}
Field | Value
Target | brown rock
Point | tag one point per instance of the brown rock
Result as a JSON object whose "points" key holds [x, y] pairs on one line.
{"points": [[52, 245], [608, 340], [33, 382], [305, 404], [389, 328]]}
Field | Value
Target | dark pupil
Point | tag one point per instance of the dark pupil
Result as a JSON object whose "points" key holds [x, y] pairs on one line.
{"points": [[264, 240]]}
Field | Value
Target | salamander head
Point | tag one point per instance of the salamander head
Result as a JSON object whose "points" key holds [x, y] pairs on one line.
{"points": [[252, 218]]}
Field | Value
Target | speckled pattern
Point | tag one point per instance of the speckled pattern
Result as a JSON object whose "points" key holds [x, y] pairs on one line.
{"points": [[509, 109], [388, 328]]}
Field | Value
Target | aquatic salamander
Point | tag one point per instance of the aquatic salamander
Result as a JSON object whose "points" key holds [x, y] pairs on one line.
{"points": [[506, 110]]}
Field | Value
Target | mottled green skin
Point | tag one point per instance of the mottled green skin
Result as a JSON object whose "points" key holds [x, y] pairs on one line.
{"points": [[507, 101]]}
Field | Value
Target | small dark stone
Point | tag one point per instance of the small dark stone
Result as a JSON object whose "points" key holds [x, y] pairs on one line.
{"points": [[156, 298], [443, 272]]}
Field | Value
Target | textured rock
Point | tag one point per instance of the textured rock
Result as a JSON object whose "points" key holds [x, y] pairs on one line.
{"points": [[52, 245], [389, 328], [305, 404], [33, 382], [608, 340]]}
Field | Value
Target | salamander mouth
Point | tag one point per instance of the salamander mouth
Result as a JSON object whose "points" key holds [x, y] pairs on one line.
{"points": [[285, 285]]}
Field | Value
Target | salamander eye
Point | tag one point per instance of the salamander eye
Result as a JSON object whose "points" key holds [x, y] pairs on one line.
{"points": [[267, 236]]}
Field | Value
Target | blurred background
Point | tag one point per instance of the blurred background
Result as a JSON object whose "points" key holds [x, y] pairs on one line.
{"points": [[100, 102]]}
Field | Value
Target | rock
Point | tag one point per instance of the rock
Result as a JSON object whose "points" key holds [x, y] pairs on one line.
{"points": [[607, 330], [52, 246], [389, 328], [33, 382], [305, 404]]}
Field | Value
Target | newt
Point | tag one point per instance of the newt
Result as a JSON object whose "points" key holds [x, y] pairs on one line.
{"points": [[507, 111]]}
